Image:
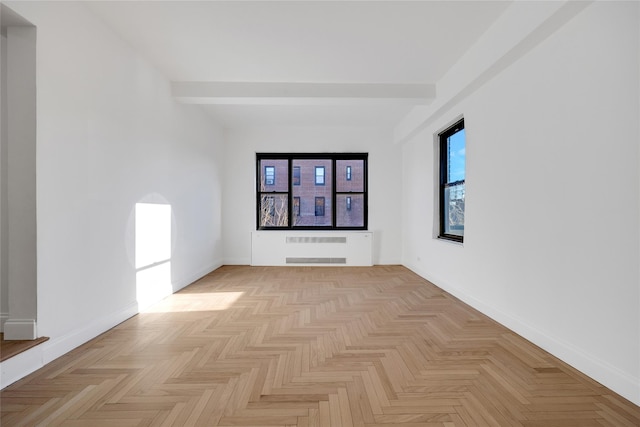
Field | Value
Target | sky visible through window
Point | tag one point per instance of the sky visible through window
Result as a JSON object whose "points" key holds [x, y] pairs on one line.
{"points": [[456, 156]]}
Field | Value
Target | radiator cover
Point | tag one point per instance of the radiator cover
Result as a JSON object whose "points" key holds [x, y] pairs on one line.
{"points": [[335, 248]]}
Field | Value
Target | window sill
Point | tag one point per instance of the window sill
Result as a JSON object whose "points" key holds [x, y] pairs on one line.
{"points": [[449, 240]]}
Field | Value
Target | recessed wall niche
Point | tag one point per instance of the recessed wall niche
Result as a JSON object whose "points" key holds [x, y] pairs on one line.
{"points": [[18, 269]]}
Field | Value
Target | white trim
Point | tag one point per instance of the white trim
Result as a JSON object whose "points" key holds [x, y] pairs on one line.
{"points": [[192, 278], [20, 329], [237, 261], [57, 347], [3, 319], [602, 371], [23, 364]]}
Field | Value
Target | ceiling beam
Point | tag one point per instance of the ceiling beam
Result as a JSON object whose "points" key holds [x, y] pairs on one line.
{"points": [[251, 93]]}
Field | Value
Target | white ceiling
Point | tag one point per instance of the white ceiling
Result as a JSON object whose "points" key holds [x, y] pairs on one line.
{"points": [[350, 44]]}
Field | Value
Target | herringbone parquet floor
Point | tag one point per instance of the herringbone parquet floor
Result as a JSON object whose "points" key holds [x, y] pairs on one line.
{"points": [[268, 346]]}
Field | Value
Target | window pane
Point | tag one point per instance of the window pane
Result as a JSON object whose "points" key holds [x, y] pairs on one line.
{"points": [[319, 206], [456, 156], [454, 210], [296, 206], [319, 175], [274, 175], [356, 183], [274, 210], [307, 191], [353, 217], [296, 175], [269, 175]]}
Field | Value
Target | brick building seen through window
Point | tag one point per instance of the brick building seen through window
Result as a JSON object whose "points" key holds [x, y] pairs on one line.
{"points": [[313, 193]]}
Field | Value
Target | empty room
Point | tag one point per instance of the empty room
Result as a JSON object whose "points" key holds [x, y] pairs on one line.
{"points": [[320, 213]]}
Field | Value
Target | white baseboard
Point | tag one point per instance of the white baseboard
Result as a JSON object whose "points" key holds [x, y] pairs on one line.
{"points": [[21, 365], [20, 329], [237, 261], [56, 347], [27, 362], [3, 318], [186, 281], [601, 371]]}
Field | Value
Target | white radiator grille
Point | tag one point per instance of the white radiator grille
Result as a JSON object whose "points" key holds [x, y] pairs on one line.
{"points": [[316, 239], [310, 260]]}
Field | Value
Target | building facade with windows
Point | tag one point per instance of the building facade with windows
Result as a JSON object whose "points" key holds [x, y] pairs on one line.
{"points": [[312, 191]]}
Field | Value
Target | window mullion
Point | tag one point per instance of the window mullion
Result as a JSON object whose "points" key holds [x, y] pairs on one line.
{"points": [[290, 196], [333, 194]]}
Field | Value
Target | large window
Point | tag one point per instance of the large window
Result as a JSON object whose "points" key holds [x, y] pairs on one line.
{"points": [[311, 191], [452, 182]]}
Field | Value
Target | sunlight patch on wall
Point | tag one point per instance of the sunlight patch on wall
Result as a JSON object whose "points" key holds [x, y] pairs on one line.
{"points": [[152, 253]]}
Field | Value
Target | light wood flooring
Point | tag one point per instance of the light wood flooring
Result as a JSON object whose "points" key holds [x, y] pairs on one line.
{"points": [[295, 346]]}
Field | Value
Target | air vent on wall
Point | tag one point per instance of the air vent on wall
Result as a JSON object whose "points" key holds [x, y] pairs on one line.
{"points": [[316, 239], [315, 260]]}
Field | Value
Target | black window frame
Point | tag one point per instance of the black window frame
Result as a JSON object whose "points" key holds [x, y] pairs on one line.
{"points": [[333, 157], [443, 138]]}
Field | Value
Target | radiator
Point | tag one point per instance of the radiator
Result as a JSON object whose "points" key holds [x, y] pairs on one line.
{"points": [[353, 248]]}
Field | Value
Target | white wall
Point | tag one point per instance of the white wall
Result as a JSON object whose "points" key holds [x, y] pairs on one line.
{"points": [[4, 136], [552, 223], [21, 183], [109, 136], [240, 164]]}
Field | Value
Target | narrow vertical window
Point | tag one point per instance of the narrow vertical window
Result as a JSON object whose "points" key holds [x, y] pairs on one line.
{"points": [[269, 175], [296, 175], [319, 206], [296, 206], [348, 203], [319, 175], [348, 173], [452, 145]]}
